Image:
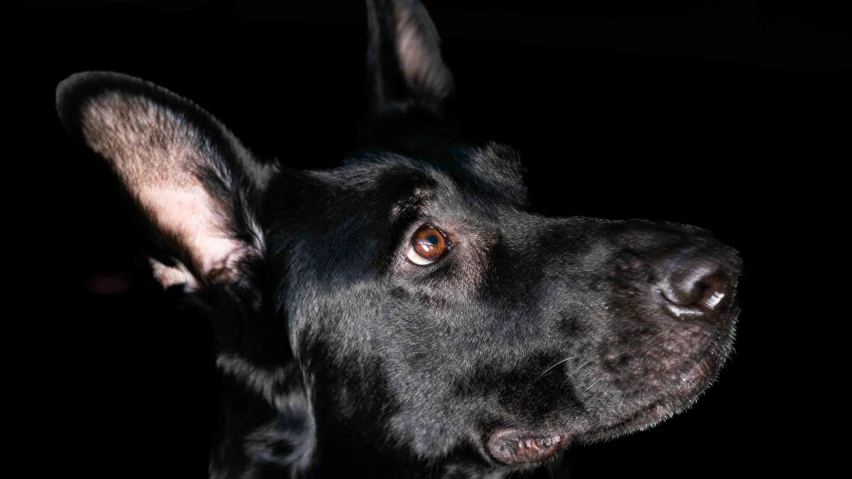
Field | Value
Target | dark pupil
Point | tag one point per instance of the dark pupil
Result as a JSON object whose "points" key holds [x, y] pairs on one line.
{"points": [[432, 239]]}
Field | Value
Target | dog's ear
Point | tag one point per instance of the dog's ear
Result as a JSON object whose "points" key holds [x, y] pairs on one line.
{"points": [[404, 63], [191, 179]]}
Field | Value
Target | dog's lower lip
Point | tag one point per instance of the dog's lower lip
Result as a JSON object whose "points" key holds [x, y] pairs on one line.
{"points": [[514, 447]]}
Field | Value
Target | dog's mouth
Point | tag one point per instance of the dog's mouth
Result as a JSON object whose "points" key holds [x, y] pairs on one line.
{"points": [[516, 447]]}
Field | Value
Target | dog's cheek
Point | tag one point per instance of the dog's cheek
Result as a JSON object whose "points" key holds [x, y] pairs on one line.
{"points": [[343, 351], [417, 367]]}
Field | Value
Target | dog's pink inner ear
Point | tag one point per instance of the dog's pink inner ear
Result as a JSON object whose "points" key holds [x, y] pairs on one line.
{"points": [[419, 52], [158, 156]]}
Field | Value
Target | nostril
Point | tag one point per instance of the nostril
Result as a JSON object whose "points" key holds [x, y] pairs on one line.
{"points": [[695, 284]]}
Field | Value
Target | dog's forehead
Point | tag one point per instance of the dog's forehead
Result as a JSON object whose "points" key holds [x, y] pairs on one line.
{"points": [[490, 173]]}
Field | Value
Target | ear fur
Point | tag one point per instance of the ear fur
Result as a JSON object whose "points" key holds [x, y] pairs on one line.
{"points": [[193, 181], [198, 190], [404, 61]]}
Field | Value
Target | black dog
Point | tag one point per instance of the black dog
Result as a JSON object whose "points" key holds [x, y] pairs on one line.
{"points": [[404, 315]]}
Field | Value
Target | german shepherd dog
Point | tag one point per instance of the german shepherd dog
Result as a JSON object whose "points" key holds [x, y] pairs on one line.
{"points": [[406, 314]]}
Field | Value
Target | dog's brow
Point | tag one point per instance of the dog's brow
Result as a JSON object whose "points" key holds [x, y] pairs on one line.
{"points": [[411, 203]]}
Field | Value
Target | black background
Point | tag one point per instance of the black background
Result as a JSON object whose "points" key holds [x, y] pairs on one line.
{"points": [[725, 115]]}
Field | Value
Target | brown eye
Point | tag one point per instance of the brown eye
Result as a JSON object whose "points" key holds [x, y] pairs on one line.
{"points": [[428, 245]]}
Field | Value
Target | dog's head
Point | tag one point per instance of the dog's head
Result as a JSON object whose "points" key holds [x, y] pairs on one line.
{"points": [[406, 311]]}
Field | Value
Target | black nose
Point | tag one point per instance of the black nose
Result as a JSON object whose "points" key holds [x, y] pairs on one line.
{"points": [[698, 281]]}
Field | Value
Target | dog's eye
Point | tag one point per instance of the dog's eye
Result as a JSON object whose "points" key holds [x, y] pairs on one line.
{"points": [[428, 245]]}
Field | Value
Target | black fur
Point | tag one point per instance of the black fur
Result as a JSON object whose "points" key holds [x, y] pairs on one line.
{"points": [[340, 354]]}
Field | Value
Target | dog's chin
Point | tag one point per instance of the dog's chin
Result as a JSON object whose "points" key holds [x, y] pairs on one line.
{"points": [[658, 399], [665, 404], [519, 446]]}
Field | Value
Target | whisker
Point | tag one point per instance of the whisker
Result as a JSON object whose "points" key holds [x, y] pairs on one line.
{"points": [[580, 367], [590, 385], [575, 371], [551, 367]]}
